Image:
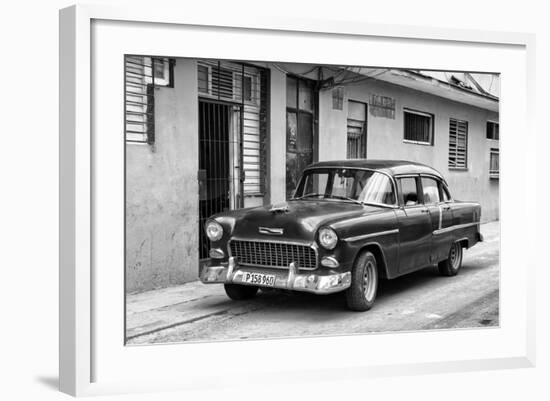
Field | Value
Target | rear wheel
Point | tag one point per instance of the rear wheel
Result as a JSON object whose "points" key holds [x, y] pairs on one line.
{"points": [[239, 292], [453, 263], [361, 294]]}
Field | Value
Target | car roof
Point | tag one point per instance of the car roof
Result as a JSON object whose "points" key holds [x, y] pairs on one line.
{"points": [[391, 167]]}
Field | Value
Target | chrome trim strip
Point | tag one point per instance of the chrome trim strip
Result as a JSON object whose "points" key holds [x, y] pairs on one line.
{"points": [[452, 228], [270, 231], [366, 236], [273, 240]]}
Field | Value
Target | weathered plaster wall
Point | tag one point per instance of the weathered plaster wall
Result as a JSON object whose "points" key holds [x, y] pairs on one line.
{"points": [[277, 139], [385, 138], [332, 128], [161, 191]]}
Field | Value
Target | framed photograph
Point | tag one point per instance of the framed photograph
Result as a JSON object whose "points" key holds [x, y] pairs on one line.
{"points": [[284, 199]]}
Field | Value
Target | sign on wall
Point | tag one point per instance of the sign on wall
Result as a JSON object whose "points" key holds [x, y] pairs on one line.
{"points": [[382, 106]]}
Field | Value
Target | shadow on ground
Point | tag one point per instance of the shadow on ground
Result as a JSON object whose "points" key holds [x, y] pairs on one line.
{"points": [[50, 382]]}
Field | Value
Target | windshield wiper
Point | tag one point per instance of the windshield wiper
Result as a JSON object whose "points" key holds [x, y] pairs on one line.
{"points": [[307, 196]]}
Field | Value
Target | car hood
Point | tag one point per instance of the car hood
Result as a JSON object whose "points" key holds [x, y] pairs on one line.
{"points": [[299, 220]]}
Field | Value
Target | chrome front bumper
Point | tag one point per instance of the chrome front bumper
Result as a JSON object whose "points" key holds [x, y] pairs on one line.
{"points": [[290, 279]]}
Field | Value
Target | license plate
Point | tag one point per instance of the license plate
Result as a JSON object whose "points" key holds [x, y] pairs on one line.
{"points": [[267, 280]]}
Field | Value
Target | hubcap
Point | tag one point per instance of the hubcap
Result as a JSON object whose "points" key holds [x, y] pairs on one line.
{"points": [[369, 281], [454, 256]]}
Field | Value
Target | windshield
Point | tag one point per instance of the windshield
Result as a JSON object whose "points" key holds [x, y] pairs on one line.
{"points": [[354, 185]]}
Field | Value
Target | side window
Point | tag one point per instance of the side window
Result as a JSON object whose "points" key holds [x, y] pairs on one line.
{"points": [[444, 192], [430, 190], [408, 194], [376, 188]]}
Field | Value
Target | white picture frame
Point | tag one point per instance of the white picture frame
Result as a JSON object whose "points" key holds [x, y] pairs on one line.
{"points": [[93, 359]]}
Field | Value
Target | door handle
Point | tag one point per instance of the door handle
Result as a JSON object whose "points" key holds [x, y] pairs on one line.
{"points": [[446, 207], [424, 210]]}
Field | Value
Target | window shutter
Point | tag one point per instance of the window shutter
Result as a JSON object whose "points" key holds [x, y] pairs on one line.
{"points": [[222, 83], [142, 75], [494, 168], [139, 96], [458, 144]]}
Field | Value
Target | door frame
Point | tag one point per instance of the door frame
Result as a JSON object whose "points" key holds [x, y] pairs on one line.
{"points": [[314, 115], [365, 124], [236, 195]]}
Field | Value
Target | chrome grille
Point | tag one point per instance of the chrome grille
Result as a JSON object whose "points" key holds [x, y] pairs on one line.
{"points": [[273, 254]]}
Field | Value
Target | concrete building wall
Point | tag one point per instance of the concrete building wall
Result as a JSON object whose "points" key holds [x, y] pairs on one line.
{"points": [[277, 137], [332, 128], [385, 138], [161, 191], [162, 187]]}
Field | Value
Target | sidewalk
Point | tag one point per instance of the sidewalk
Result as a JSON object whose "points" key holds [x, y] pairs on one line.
{"points": [[157, 310]]}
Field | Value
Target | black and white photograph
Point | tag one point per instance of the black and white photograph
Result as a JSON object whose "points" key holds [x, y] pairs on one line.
{"points": [[274, 200], [294, 199]]}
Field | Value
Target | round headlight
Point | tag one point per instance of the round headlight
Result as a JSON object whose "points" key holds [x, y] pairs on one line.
{"points": [[327, 238], [214, 230]]}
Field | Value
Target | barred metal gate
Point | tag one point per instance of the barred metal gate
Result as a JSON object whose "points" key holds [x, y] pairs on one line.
{"points": [[220, 162], [232, 134]]}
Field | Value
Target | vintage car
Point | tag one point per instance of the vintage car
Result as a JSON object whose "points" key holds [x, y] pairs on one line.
{"points": [[349, 224]]}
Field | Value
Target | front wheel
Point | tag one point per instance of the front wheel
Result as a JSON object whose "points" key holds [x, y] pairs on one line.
{"points": [[239, 292], [453, 263], [361, 294]]}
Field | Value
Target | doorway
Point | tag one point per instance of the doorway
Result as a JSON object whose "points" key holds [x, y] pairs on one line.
{"points": [[301, 109], [220, 161], [357, 130]]}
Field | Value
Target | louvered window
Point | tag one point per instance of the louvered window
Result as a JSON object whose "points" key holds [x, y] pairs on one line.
{"points": [[418, 127], [142, 75], [494, 170], [245, 86], [458, 144], [232, 82]]}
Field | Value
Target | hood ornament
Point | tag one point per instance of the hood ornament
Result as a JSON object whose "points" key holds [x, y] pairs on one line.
{"points": [[271, 231], [281, 207]]}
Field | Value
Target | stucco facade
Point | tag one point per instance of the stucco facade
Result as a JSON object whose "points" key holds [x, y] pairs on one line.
{"points": [[161, 191], [162, 201], [385, 138]]}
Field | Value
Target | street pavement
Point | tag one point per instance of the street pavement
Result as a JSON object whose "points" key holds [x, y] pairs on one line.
{"points": [[419, 301]]}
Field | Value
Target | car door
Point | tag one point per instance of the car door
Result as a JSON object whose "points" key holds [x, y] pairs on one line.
{"points": [[440, 212], [445, 232], [415, 225]]}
